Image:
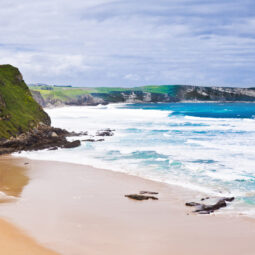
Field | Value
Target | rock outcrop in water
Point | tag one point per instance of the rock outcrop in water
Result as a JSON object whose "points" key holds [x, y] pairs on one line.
{"points": [[105, 132]]}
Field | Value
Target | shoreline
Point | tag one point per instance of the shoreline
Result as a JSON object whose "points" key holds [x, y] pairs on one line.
{"points": [[182, 188], [92, 216], [142, 102]]}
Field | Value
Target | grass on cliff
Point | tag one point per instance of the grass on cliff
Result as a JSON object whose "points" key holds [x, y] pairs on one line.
{"points": [[64, 94], [18, 110]]}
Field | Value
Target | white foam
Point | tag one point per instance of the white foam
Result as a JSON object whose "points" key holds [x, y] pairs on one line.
{"points": [[187, 142]]}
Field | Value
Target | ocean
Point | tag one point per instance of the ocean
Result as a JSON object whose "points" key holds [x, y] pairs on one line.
{"points": [[206, 147]]}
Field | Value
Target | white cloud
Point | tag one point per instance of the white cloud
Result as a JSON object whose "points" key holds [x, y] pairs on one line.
{"points": [[105, 42]]}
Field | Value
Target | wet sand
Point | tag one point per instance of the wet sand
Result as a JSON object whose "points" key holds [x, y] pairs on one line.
{"points": [[15, 242], [77, 210]]}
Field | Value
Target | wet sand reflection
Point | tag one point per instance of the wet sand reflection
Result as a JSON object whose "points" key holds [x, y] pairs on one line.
{"points": [[13, 179]]}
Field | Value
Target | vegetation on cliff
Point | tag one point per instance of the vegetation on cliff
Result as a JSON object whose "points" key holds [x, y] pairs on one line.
{"points": [[19, 112], [53, 96], [83, 95], [64, 93]]}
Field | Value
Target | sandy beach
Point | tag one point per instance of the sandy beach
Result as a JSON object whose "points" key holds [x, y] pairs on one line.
{"points": [[75, 209], [13, 241]]}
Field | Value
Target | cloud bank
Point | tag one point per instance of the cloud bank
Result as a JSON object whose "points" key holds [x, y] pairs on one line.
{"points": [[129, 43]]}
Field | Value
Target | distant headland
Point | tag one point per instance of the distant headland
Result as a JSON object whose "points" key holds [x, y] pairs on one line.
{"points": [[57, 95]]}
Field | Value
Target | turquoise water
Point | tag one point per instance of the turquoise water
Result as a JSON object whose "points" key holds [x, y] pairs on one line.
{"points": [[208, 110], [208, 147]]}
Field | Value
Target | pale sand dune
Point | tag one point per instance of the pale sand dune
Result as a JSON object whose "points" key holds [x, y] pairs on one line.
{"points": [[79, 210]]}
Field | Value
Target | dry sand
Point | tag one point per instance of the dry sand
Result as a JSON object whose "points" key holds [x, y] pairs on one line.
{"points": [[78, 210]]}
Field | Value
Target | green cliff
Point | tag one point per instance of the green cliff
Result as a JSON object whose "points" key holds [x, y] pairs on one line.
{"points": [[19, 112], [55, 96]]}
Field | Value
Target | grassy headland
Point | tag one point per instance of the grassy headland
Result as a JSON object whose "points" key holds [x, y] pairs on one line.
{"points": [[64, 93], [19, 112], [53, 95]]}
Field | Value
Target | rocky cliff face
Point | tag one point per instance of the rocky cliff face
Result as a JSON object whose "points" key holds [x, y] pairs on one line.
{"points": [[181, 93], [215, 93], [38, 98]]}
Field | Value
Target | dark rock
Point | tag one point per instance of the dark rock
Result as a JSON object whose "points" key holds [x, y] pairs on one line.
{"points": [[77, 134], [229, 199], [73, 144], [192, 204], [210, 208], [140, 197], [93, 140], [105, 132], [207, 209], [38, 138], [148, 192], [89, 140], [205, 198]]}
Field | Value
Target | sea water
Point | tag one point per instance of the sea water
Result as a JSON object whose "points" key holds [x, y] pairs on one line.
{"points": [[207, 147]]}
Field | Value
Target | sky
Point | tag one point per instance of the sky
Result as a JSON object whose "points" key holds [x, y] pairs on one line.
{"points": [[130, 42]]}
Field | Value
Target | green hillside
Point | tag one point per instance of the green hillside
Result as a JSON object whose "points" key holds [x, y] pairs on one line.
{"points": [[67, 93], [18, 110]]}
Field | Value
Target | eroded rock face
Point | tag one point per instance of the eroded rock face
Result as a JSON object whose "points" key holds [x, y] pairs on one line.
{"points": [[38, 98]]}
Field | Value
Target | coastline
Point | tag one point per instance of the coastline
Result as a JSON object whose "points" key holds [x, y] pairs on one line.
{"points": [[92, 216], [49, 107]]}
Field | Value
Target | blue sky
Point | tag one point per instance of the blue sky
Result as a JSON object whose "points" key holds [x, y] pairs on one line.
{"points": [[130, 43]]}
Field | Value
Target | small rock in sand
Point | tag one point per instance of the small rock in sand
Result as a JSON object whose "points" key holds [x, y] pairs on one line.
{"points": [[140, 197], [148, 192]]}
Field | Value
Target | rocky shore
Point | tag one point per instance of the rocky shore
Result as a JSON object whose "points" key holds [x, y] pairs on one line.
{"points": [[39, 138], [47, 137]]}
